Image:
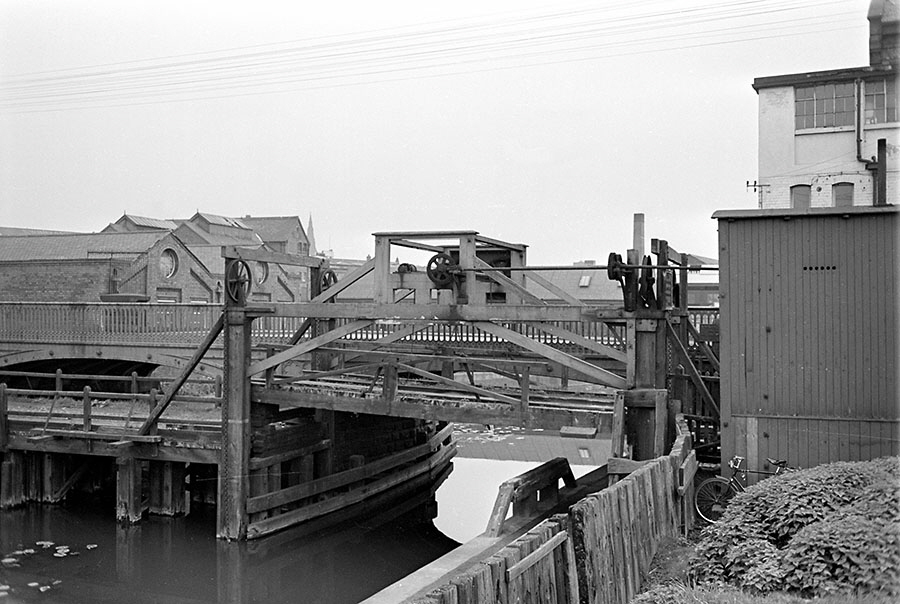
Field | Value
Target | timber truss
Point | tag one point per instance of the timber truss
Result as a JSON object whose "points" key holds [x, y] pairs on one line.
{"points": [[464, 340]]}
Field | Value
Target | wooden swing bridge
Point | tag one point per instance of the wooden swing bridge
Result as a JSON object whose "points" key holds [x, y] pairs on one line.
{"points": [[352, 410]]}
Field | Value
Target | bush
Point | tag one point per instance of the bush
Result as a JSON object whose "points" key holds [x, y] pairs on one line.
{"points": [[845, 554], [767, 531]]}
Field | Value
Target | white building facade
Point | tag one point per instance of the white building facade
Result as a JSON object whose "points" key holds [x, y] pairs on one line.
{"points": [[830, 138]]}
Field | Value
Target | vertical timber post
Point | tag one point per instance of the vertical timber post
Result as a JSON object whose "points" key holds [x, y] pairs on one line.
{"points": [[234, 464], [128, 490]]}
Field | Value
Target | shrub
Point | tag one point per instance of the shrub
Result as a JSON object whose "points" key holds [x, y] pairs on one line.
{"points": [[747, 547], [845, 554]]}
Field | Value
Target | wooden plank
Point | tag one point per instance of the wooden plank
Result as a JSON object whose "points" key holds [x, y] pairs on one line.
{"points": [[309, 345], [261, 462], [4, 419], [686, 472], [618, 425], [262, 255], [340, 479], [601, 376], [459, 385], [565, 334], [536, 556], [358, 495], [110, 436], [622, 466]]}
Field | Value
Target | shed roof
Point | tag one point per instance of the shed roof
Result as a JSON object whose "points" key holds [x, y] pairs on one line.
{"points": [[275, 228], [788, 213], [77, 245]]}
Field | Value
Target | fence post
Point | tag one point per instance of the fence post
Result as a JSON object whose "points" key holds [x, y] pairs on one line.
{"points": [[4, 422], [86, 409], [153, 427]]}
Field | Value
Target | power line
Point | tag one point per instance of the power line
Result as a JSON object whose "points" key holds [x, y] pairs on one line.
{"points": [[386, 55]]}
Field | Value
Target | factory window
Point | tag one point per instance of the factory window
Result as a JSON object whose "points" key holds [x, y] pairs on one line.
{"points": [[881, 101], [824, 106], [800, 196], [585, 281], [842, 194]]}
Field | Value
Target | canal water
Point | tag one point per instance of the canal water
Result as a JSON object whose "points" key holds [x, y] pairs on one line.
{"points": [[78, 554]]}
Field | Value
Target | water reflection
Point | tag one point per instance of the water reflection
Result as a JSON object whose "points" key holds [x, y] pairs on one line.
{"points": [[179, 560]]}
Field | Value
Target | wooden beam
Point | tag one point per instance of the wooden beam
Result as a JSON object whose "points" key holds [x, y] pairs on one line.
{"points": [[496, 275], [702, 343], [459, 385], [553, 288], [261, 255], [449, 312], [396, 336], [309, 345], [695, 376], [348, 280], [601, 376], [182, 377], [565, 334]]}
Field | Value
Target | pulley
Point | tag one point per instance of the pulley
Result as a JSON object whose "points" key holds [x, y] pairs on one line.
{"points": [[439, 269], [237, 281]]}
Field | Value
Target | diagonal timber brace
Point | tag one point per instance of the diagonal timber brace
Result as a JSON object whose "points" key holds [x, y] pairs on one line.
{"points": [[309, 345], [601, 376]]}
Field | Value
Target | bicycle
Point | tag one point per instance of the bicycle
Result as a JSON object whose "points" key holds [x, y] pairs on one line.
{"points": [[713, 494]]}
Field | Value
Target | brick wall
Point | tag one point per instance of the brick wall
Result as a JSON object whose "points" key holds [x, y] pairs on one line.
{"points": [[56, 281]]}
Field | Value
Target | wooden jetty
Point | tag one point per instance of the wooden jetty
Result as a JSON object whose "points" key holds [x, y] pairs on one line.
{"points": [[351, 411]]}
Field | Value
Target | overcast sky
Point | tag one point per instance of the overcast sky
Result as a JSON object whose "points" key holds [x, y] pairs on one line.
{"points": [[544, 122]]}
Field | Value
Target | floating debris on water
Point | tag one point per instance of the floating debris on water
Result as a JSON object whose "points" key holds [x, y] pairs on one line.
{"points": [[28, 551], [9, 560], [57, 582], [90, 546], [4, 587], [44, 588], [44, 544], [33, 584], [60, 555]]}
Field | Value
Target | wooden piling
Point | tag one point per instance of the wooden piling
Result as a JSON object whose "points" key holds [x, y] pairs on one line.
{"points": [[167, 488], [234, 469], [128, 490]]}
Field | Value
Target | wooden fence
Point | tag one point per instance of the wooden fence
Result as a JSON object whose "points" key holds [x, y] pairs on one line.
{"points": [[598, 553]]}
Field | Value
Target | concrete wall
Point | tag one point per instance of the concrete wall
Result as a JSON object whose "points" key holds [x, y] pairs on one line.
{"points": [[818, 157]]}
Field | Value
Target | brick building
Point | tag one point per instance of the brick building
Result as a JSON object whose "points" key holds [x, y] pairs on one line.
{"points": [[819, 132], [147, 260]]}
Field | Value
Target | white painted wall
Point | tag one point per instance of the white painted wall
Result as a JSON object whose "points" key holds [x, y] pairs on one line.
{"points": [[818, 157]]}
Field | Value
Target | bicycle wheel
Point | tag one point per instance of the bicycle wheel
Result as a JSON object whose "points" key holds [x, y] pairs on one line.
{"points": [[712, 496]]}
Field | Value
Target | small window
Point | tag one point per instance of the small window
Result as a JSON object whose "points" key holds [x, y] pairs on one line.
{"points": [[842, 194], [824, 106], [800, 195], [881, 101], [585, 281]]}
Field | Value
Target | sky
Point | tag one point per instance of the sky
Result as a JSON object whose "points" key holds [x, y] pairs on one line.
{"points": [[543, 122]]}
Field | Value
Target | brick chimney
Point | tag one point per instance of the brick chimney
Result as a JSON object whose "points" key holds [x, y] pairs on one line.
{"points": [[884, 30]]}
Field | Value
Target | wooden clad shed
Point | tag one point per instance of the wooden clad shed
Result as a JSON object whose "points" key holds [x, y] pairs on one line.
{"points": [[809, 334]]}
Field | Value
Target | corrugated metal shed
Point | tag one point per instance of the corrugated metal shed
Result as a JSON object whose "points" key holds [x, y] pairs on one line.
{"points": [[809, 334]]}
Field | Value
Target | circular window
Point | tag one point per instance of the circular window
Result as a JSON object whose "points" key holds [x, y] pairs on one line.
{"points": [[168, 263], [262, 272]]}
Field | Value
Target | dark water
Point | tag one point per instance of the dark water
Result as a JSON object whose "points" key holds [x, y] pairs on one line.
{"points": [[179, 560]]}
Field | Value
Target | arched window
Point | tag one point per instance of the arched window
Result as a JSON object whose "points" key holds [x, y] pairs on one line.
{"points": [[800, 195], [842, 194]]}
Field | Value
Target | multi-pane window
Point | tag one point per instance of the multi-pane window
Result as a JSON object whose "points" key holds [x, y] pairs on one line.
{"points": [[824, 106], [881, 101]]}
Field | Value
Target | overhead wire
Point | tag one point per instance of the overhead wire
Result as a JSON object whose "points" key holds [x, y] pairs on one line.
{"points": [[397, 51]]}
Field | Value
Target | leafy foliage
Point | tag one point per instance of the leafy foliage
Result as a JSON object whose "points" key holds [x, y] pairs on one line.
{"points": [[809, 531], [847, 553]]}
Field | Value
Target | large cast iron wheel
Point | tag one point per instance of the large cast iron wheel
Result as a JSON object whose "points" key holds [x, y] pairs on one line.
{"points": [[438, 269], [237, 281], [329, 278]]}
